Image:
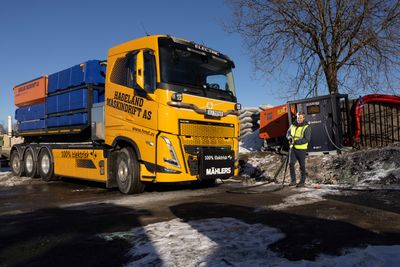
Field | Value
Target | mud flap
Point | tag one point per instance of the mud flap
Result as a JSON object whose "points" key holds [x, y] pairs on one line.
{"points": [[111, 175]]}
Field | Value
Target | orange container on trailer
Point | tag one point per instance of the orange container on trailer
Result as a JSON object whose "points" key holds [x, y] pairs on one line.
{"points": [[30, 92], [274, 122]]}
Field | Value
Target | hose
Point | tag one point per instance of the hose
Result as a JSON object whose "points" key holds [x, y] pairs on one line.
{"points": [[244, 190], [330, 140]]}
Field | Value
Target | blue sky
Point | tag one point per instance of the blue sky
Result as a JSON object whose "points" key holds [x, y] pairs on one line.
{"points": [[42, 37]]}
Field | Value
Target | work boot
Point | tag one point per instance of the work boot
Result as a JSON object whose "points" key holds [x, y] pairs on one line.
{"points": [[292, 183], [300, 185]]}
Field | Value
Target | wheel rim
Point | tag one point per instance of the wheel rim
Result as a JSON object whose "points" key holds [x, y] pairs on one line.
{"points": [[16, 164], [29, 162], [45, 164], [122, 171]]}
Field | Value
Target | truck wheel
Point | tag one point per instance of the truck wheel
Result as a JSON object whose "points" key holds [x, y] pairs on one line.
{"points": [[29, 163], [45, 166], [128, 172], [16, 164]]}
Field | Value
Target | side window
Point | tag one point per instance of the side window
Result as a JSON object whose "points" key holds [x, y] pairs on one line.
{"points": [[118, 74], [149, 72], [131, 71], [124, 71]]}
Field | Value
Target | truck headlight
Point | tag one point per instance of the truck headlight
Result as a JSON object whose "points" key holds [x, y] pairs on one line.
{"points": [[238, 106], [174, 159]]}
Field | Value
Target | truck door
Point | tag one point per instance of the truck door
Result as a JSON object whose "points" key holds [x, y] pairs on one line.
{"points": [[131, 109]]}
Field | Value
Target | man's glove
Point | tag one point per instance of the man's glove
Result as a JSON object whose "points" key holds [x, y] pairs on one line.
{"points": [[290, 140]]}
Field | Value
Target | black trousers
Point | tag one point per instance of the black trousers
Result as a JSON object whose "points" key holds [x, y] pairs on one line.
{"points": [[300, 155]]}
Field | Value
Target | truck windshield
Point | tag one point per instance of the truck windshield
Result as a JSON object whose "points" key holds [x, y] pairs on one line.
{"points": [[206, 74]]}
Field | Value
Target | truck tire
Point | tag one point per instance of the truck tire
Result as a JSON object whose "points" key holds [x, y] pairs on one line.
{"points": [[29, 163], [128, 172], [45, 166], [17, 167]]}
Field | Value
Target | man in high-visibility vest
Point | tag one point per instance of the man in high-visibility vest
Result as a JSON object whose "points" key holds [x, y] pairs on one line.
{"points": [[299, 135]]}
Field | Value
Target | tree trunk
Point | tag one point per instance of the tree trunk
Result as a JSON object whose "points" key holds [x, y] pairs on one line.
{"points": [[331, 78]]}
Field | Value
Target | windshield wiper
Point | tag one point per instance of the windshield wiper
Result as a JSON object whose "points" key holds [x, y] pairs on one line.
{"points": [[212, 91]]}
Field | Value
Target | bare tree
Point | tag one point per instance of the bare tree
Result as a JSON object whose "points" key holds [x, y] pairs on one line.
{"points": [[342, 45], [2, 128]]}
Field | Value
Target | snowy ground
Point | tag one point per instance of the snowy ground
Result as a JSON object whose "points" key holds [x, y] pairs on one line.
{"points": [[230, 242], [305, 196], [7, 179]]}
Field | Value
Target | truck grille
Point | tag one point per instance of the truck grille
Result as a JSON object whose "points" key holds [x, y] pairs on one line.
{"points": [[206, 129], [206, 141]]}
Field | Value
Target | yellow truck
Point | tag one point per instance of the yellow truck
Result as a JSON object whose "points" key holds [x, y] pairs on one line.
{"points": [[159, 109]]}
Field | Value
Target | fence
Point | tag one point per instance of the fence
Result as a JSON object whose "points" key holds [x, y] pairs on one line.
{"points": [[379, 123]]}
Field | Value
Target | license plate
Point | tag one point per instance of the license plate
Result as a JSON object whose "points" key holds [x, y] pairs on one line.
{"points": [[214, 113], [217, 163]]}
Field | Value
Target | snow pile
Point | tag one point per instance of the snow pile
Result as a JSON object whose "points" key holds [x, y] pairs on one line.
{"points": [[230, 242], [378, 166], [7, 179]]}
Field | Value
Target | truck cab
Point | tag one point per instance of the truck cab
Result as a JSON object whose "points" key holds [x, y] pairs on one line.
{"points": [[174, 102]]}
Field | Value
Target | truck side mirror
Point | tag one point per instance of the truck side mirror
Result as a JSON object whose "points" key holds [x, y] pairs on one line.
{"points": [[140, 69]]}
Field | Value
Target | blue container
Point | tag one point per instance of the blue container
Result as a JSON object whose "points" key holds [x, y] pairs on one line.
{"points": [[68, 120], [52, 106], [64, 79], [95, 96], [63, 102], [41, 124], [52, 122], [33, 112], [63, 120], [90, 72], [52, 82], [19, 114], [69, 101], [101, 97], [31, 125], [40, 110], [78, 119], [94, 72], [98, 96], [58, 103], [77, 75], [78, 99]]}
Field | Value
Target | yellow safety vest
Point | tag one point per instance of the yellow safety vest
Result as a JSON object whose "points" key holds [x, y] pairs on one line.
{"points": [[297, 133]]}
